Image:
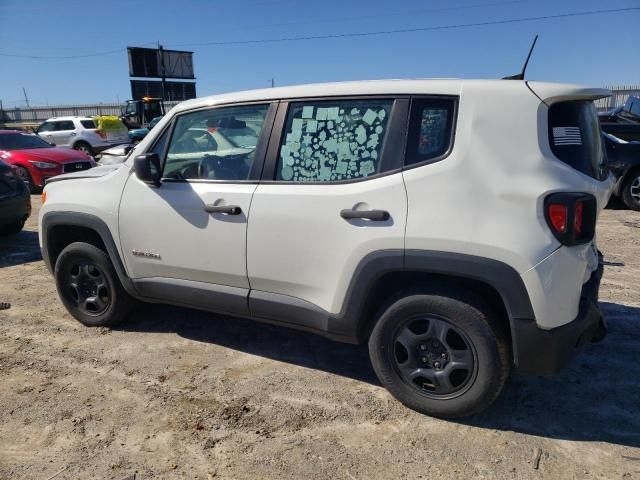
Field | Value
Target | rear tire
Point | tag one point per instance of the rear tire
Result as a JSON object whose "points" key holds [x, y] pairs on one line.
{"points": [[440, 352], [631, 191], [89, 287], [83, 147]]}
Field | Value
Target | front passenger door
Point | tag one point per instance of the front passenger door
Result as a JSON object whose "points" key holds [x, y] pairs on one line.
{"points": [[190, 233]]}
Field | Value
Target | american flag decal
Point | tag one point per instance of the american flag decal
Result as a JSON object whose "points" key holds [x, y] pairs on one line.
{"points": [[566, 136]]}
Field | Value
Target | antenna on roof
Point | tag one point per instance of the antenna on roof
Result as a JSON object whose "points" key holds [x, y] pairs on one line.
{"points": [[520, 76]]}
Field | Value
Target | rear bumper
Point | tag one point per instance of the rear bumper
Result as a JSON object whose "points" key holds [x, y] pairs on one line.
{"points": [[545, 352], [15, 208]]}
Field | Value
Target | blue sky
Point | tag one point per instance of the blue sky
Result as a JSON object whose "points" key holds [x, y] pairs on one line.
{"points": [[599, 49]]}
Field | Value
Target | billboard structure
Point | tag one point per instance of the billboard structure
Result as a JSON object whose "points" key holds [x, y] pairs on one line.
{"points": [[162, 64], [172, 90]]}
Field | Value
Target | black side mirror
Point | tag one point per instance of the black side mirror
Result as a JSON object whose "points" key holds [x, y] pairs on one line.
{"points": [[147, 168], [52, 144]]}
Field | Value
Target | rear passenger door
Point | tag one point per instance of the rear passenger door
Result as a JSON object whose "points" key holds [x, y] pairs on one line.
{"points": [[331, 193]]}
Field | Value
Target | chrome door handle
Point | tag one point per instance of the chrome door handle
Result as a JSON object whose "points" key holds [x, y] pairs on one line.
{"points": [[373, 215]]}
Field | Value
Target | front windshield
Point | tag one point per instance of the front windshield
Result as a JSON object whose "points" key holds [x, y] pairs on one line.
{"points": [[20, 141]]}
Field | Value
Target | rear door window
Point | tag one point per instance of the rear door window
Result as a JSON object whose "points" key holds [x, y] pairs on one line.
{"points": [[430, 130], [575, 137], [333, 140]]}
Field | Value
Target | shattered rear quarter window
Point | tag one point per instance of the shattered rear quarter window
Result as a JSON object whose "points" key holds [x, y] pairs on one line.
{"points": [[332, 141]]}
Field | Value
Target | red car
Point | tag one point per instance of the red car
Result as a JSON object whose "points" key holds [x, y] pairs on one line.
{"points": [[37, 160]]}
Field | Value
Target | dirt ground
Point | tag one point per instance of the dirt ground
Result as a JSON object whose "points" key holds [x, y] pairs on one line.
{"points": [[176, 393]]}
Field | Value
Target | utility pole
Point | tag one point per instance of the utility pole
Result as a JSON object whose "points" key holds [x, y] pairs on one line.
{"points": [[161, 53], [273, 82], [26, 99]]}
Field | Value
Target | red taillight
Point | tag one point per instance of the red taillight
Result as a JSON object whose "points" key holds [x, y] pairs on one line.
{"points": [[558, 215], [102, 134], [571, 217], [577, 216]]}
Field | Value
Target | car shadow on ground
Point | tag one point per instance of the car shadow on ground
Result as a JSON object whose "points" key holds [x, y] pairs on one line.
{"points": [[595, 398], [19, 248], [269, 341]]}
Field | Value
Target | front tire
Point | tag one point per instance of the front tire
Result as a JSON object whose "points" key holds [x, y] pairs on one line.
{"points": [[89, 287], [439, 352], [631, 191]]}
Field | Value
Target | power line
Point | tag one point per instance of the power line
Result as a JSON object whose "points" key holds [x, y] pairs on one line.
{"points": [[376, 15], [350, 34], [408, 30], [59, 57]]}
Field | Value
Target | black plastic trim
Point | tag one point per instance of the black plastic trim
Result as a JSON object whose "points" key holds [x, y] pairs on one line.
{"points": [[503, 278], [53, 219], [191, 294], [545, 352]]}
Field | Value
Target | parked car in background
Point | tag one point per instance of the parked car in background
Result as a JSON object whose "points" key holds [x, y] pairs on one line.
{"points": [[36, 160], [84, 133], [624, 161], [623, 121], [136, 135], [15, 201]]}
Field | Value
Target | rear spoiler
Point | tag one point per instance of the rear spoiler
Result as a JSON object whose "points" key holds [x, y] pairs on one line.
{"points": [[550, 93]]}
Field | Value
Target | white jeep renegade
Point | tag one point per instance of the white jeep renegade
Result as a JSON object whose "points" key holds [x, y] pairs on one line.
{"points": [[448, 223]]}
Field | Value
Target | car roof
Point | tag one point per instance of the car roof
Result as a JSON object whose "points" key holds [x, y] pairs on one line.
{"points": [[69, 117], [442, 86]]}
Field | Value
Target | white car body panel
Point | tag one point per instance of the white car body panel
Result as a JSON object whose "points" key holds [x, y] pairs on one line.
{"points": [[300, 246], [171, 222]]}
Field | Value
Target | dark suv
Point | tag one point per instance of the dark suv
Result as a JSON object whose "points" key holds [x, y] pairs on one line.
{"points": [[15, 201]]}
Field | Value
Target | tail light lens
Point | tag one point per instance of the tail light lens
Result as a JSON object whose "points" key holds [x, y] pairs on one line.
{"points": [[558, 216], [102, 134], [571, 217]]}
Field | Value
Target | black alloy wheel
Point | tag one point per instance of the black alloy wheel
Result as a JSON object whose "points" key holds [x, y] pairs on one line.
{"points": [[434, 357], [88, 288]]}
